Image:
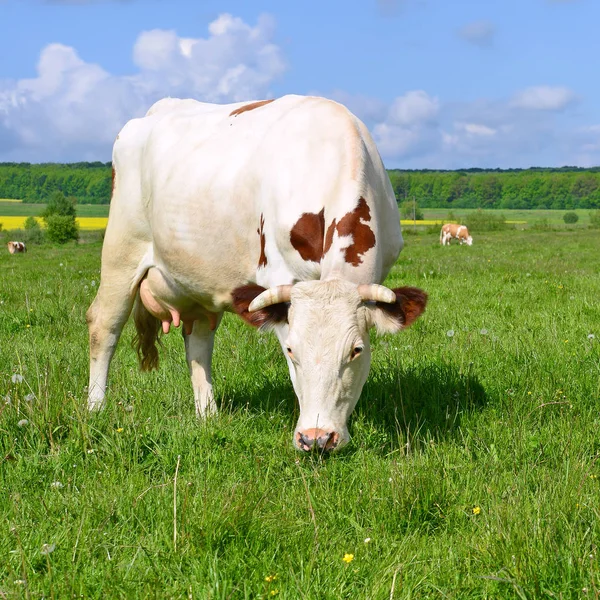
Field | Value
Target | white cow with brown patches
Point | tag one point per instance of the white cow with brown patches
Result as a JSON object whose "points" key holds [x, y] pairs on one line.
{"points": [[281, 211], [16, 247], [458, 232]]}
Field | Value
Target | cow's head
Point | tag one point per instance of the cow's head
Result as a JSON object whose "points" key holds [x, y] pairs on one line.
{"points": [[323, 327], [469, 241]]}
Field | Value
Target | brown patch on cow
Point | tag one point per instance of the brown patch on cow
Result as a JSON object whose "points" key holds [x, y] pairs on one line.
{"points": [[363, 238], [113, 180], [409, 306], [247, 107], [262, 261], [329, 237], [306, 236], [270, 315]]}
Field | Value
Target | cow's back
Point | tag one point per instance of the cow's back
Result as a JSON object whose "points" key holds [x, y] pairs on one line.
{"points": [[220, 188]]}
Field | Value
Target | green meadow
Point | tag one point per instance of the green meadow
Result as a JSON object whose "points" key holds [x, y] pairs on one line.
{"points": [[473, 470]]}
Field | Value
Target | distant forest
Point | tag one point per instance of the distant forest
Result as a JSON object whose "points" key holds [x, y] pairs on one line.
{"points": [[563, 188]]}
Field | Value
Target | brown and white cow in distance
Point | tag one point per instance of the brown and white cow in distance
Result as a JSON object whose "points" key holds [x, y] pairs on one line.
{"points": [[458, 232], [16, 247], [280, 211]]}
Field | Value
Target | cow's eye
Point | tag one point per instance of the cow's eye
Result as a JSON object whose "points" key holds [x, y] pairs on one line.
{"points": [[356, 351]]}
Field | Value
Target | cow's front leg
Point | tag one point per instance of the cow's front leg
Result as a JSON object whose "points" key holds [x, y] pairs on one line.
{"points": [[198, 351]]}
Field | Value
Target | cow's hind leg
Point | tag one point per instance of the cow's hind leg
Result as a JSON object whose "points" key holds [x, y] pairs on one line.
{"points": [[198, 351], [106, 318]]}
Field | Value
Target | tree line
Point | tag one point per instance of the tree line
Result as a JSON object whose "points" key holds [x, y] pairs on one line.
{"points": [[88, 182], [562, 188]]}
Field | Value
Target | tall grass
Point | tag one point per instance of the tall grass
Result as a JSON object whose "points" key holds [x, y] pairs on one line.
{"points": [[473, 471]]}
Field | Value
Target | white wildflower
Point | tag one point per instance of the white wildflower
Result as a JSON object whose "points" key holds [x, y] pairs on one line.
{"points": [[91, 451], [19, 582], [29, 397], [57, 485], [129, 408], [93, 283], [483, 331], [23, 422], [48, 548], [16, 378], [367, 540], [591, 336], [450, 333]]}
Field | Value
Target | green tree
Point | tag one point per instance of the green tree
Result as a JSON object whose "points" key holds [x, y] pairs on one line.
{"points": [[61, 228], [59, 204], [411, 210]]}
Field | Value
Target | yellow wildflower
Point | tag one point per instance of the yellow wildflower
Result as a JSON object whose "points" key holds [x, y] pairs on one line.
{"points": [[274, 592], [119, 429], [270, 578], [348, 558], [476, 510]]}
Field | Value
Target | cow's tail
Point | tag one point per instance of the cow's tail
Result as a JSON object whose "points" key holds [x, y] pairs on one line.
{"points": [[147, 327]]}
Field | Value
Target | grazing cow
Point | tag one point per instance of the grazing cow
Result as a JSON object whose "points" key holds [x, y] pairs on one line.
{"points": [[459, 232], [16, 247], [280, 211]]}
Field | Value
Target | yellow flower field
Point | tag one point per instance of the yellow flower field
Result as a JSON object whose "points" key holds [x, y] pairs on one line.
{"points": [[85, 223]]}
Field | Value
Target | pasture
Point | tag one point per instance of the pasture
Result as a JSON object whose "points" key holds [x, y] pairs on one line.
{"points": [[473, 470]]}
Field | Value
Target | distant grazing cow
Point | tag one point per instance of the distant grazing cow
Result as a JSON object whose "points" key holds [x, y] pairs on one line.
{"points": [[459, 232], [16, 247], [280, 211]]}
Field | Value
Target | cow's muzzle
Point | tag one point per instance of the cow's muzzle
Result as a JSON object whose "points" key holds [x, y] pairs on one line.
{"points": [[316, 439]]}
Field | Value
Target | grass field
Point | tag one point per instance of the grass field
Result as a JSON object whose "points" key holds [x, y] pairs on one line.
{"points": [[11, 208], [473, 471]]}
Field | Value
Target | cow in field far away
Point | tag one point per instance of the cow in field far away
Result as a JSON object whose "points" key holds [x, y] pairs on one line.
{"points": [[16, 247], [278, 210], [459, 232]]}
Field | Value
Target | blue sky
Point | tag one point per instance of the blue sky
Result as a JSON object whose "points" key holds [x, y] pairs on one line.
{"points": [[504, 83]]}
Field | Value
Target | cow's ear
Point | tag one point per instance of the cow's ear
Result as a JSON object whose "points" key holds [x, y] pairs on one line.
{"points": [[265, 318], [391, 318]]}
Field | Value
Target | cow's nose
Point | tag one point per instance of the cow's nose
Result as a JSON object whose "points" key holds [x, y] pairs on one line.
{"points": [[317, 439]]}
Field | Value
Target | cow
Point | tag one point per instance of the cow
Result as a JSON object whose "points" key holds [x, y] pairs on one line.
{"points": [[459, 232], [278, 210], [16, 247]]}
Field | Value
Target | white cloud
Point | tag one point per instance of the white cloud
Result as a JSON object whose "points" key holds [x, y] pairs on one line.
{"points": [[410, 126], [73, 109], [483, 133], [544, 97], [480, 33]]}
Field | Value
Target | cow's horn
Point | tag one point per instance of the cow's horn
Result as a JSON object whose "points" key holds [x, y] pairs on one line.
{"points": [[376, 293], [274, 295]]}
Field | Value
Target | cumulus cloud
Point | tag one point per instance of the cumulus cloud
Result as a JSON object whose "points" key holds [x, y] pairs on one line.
{"points": [[73, 109], [420, 131], [544, 97], [410, 126], [480, 33]]}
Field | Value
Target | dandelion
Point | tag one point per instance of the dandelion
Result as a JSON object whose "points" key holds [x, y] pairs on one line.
{"points": [[450, 333], [274, 592], [529, 393], [591, 336], [93, 283], [129, 408], [23, 422], [367, 540], [28, 326], [348, 558], [483, 331], [29, 397], [48, 548], [7, 399], [16, 378], [270, 578], [476, 510], [57, 485], [566, 341], [119, 429]]}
